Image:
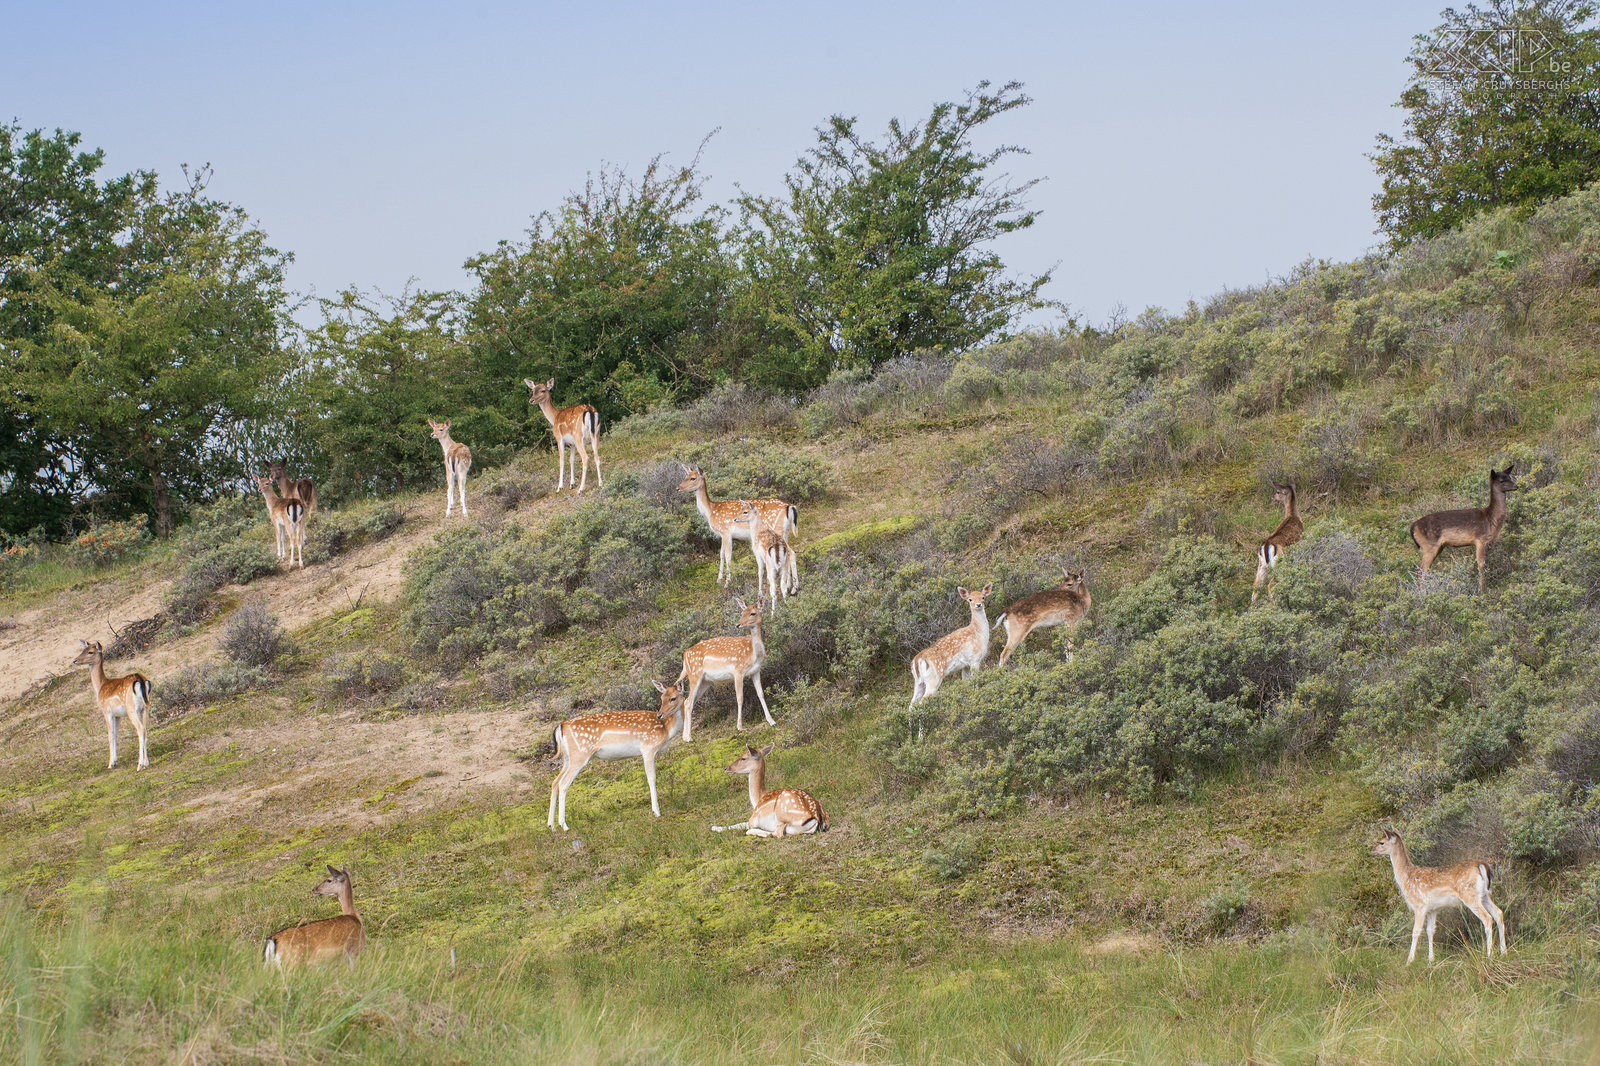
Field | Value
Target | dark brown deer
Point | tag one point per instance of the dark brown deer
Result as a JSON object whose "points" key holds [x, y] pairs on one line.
{"points": [[1478, 526], [1287, 533]]}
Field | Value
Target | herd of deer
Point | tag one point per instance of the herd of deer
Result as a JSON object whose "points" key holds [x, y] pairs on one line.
{"points": [[767, 525]]}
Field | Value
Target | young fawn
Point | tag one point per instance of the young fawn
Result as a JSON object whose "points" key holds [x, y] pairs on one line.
{"points": [[1429, 889], [288, 521], [615, 735], [779, 813], [118, 698], [724, 517], [775, 559], [1287, 533], [325, 939], [963, 650], [724, 658], [1053, 607], [457, 461], [572, 426], [1478, 526]]}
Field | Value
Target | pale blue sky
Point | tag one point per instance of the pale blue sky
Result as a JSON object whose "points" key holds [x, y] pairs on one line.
{"points": [[1188, 147]]}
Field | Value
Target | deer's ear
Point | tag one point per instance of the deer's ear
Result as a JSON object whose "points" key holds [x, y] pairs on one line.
{"points": [[767, 750], [333, 871], [550, 384], [987, 589], [743, 606], [529, 382], [751, 751], [346, 871], [961, 592]]}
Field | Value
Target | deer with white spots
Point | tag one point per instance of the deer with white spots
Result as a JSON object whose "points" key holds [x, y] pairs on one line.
{"points": [[615, 735], [775, 559], [117, 698], [573, 427], [1478, 526], [288, 522], [1279, 540], [963, 650], [457, 461], [779, 813], [727, 658], [1053, 607], [1429, 889], [341, 936], [725, 517]]}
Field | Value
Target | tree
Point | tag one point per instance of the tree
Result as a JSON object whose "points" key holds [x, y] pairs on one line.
{"points": [[148, 370], [1502, 108], [876, 250], [617, 296]]}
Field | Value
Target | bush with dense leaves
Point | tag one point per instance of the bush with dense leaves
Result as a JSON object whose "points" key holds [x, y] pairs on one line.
{"points": [[253, 636], [197, 686]]}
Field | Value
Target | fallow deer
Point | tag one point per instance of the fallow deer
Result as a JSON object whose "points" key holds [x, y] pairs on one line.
{"points": [[457, 461], [615, 735], [779, 813], [301, 488], [727, 658], [288, 521], [1287, 533], [724, 517], [117, 698], [963, 650], [326, 939], [775, 559], [1429, 889], [1478, 526], [572, 426], [1066, 605]]}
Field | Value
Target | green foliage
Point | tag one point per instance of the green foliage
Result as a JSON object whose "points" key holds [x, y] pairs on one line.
{"points": [[110, 542], [332, 534], [197, 686], [254, 636], [754, 469], [236, 562]]}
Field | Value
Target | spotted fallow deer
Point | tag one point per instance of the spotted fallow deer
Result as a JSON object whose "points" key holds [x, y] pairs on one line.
{"points": [[288, 521], [1478, 526], [329, 938], [1429, 889], [457, 461], [1066, 606], [963, 650], [724, 517], [118, 698], [1287, 533], [727, 658], [775, 559], [572, 426], [615, 735], [780, 813], [301, 488]]}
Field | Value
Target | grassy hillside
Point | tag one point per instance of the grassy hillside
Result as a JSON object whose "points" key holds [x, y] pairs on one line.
{"points": [[1158, 852]]}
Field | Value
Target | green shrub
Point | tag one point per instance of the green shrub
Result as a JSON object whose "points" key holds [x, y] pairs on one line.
{"points": [[751, 469], [954, 856], [110, 542], [333, 534], [1224, 908], [253, 636], [197, 686], [350, 674]]}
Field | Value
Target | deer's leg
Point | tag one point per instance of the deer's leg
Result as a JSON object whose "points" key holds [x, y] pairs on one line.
{"points": [[688, 705], [1483, 553], [584, 457], [1261, 574], [727, 828], [112, 725], [1433, 916], [141, 726], [1418, 921], [594, 446], [461, 490], [1014, 637], [762, 696], [1499, 919], [555, 786], [569, 775], [1488, 927], [1071, 632], [1429, 554], [756, 831], [738, 701], [650, 777]]}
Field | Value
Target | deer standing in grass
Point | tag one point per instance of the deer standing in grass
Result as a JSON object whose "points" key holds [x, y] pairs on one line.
{"points": [[457, 461], [1478, 526], [326, 939], [118, 698], [575, 426], [780, 813], [615, 735], [288, 521], [302, 489], [963, 650], [775, 559], [1287, 533], [1066, 605], [727, 658], [725, 517], [1429, 889]]}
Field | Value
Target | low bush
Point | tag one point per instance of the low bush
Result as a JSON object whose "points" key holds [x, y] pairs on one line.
{"points": [[734, 407], [253, 636], [350, 675], [753, 469], [237, 562], [333, 534], [197, 686], [110, 542]]}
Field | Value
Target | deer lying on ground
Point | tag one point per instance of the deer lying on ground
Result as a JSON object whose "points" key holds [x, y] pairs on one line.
{"points": [[575, 426], [117, 698], [963, 650], [326, 939], [781, 812], [288, 522], [724, 517], [1429, 889], [1478, 526], [727, 658], [615, 735], [1287, 533], [457, 461], [1066, 606]]}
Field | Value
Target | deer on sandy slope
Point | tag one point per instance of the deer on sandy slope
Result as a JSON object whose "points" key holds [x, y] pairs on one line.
{"points": [[615, 735], [1478, 526], [721, 658], [1429, 889], [117, 698], [775, 559], [288, 521], [723, 516], [963, 650], [457, 461], [1287, 533], [327, 939], [302, 489], [1053, 607], [572, 426], [780, 813]]}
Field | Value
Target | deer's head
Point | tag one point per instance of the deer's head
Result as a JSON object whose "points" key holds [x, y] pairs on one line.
{"points": [[693, 479], [1071, 581], [88, 653], [263, 483], [1388, 844], [537, 393], [976, 598], [750, 760], [441, 430], [750, 613], [1283, 493], [1502, 479], [277, 470], [335, 880], [671, 699]]}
